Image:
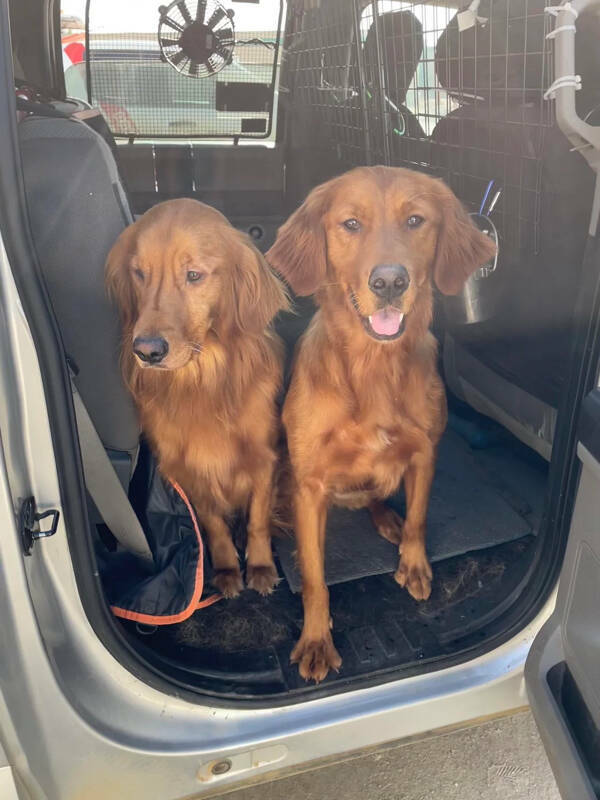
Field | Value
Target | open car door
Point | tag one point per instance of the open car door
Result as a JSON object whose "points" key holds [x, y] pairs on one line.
{"points": [[562, 672], [563, 668]]}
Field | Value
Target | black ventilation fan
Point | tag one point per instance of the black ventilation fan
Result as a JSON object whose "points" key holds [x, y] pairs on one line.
{"points": [[196, 38]]}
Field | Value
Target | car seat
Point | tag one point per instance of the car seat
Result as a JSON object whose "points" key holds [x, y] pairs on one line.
{"points": [[77, 208], [401, 47], [511, 365], [326, 115]]}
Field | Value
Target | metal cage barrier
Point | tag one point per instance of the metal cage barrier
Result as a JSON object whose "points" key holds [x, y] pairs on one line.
{"points": [[418, 85]]}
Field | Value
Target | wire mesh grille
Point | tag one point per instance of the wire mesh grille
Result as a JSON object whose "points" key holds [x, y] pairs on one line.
{"points": [[186, 70], [418, 85]]}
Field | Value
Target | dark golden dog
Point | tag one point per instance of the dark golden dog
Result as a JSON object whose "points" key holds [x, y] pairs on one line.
{"points": [[366, 406], [196, 299]]}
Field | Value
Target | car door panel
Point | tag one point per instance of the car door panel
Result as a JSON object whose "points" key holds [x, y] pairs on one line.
{"points": [[563, 667]]}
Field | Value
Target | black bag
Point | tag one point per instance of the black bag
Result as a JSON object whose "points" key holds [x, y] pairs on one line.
{"points": [[175, 588]]}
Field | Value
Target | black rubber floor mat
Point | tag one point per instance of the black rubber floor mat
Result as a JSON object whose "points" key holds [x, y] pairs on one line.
{"points": [[474, 504], [241, 648]]}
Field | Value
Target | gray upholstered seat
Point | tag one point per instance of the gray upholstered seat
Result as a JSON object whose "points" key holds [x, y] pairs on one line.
{"points": [[77, 208]]}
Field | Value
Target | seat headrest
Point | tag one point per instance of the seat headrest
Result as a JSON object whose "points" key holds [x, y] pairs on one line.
{"points": [[401, 46], [505, 57]]}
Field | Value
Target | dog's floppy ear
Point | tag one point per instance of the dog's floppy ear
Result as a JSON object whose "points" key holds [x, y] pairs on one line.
{"points": [[257, 293], [118, 276], [461, 247], [300, 249]]}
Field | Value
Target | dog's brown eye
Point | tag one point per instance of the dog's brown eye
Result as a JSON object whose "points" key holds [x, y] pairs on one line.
{"points": [[414, 221], [138, 274], [193, 276], [351, 224]]}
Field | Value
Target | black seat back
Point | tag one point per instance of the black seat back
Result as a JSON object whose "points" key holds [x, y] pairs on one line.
{"points": [[503, 59], [401, 46]]}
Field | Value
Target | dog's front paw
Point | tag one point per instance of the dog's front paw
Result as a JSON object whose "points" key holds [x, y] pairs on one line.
{"points": [[263, 579], [316, 657], [229, 582], [414, 573]]}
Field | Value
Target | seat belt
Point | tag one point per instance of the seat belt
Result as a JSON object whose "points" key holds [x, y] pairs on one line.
{"points": [[105, 487]]}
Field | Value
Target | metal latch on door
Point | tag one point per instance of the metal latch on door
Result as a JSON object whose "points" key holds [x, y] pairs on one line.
{"points": [[29, 523]]}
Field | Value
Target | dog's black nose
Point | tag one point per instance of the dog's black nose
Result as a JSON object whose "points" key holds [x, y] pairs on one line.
{"points": [[389, 281], [150, 349]]}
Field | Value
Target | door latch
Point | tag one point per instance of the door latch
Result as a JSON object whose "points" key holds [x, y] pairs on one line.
{"points": [[29, 523]]}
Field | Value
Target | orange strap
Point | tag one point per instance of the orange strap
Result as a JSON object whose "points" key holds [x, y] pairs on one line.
{"points": [[195, 601]]}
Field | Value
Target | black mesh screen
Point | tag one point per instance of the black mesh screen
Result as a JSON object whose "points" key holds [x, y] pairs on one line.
{"points": [[194, 68], [404, 84]]}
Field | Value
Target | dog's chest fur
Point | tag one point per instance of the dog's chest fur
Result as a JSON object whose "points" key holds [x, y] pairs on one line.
{"points": [[369, 459], [392, 422], [211, 438]]}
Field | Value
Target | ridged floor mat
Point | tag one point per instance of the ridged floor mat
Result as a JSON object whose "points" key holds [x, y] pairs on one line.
{"points": [[479, 499], [241, 647]]}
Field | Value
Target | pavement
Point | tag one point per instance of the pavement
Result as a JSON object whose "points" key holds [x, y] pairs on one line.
{"points": [[500, 759]]}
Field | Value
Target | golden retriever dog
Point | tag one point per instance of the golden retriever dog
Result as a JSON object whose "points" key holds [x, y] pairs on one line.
{"points": [[366, 406], [196, 299]]}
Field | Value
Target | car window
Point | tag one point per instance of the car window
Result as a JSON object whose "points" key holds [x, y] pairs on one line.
{"points": [[187, 70]]}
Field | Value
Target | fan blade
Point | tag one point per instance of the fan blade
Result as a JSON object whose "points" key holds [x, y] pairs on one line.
{"points": [[216, 17], [172, 24], [168, 42], [193, 68], [200, 11], [177, 58], [225, 36], [221, 51], [184, 12]]}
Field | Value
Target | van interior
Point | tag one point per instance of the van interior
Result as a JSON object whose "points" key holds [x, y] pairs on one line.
{"points": [[258, 103]]}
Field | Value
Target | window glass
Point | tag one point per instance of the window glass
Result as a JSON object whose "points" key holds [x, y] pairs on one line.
{"points": [[194, 68]]}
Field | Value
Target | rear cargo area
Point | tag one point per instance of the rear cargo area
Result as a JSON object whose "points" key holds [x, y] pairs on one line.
{"points": [[462, 97], [485, 513], [461, 93]]}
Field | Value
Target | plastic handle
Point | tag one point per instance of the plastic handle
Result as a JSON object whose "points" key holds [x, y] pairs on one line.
{"points": [[584, 137]]}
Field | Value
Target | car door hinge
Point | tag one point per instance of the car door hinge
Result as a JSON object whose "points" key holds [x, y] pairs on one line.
{"points": [[29, 521]]}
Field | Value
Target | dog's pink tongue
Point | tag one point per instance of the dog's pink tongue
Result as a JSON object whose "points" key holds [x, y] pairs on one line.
{"points": [[386, 322]]}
